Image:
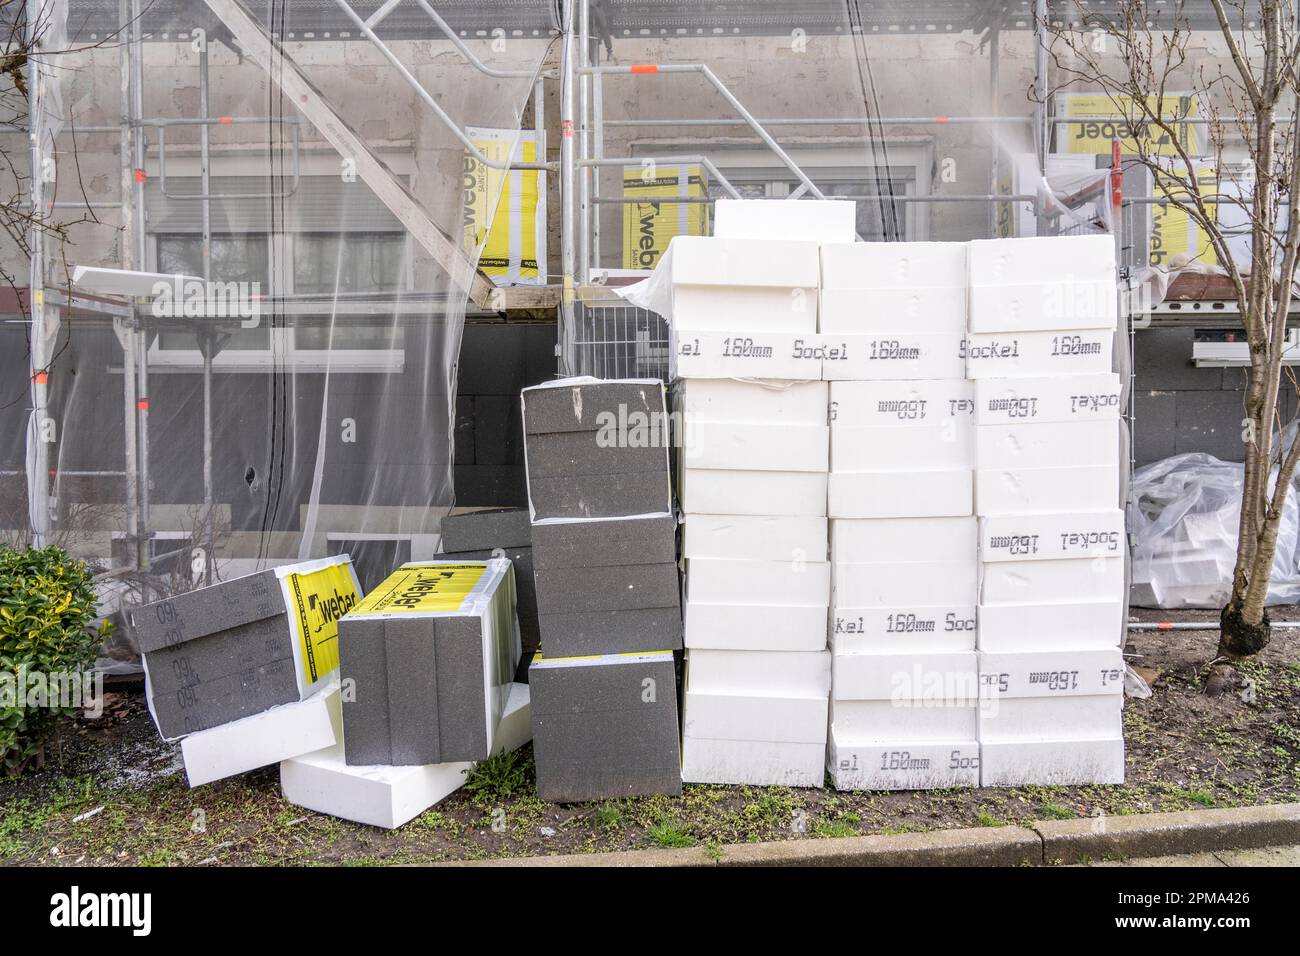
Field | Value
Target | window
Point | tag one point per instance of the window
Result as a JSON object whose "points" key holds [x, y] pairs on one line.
{"points": [[348, 262], [374, 263]]}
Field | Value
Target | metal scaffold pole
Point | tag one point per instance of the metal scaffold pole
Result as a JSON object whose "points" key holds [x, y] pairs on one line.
{"points": [[38, 448], [568, 178]]}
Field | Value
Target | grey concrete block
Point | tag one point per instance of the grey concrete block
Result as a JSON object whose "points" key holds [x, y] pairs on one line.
{"points": [[614, 588], [210, 610], [582, 633], [485, 530], [1163, 361], [1211, 422], [599, 496], [582, 407], [605, 728], [428, 656], [570, 454], [575, 544], [1155, 425]]}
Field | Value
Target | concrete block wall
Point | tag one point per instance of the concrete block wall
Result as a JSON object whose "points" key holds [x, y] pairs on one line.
{"points": [[1180, 408]]}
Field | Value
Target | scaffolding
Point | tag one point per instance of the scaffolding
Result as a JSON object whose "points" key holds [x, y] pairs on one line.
{"points": [[571, 93]]}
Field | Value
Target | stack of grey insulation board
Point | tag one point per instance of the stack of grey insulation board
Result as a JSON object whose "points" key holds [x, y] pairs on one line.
{"points": [[608, 594], [244, 646], [500, 533], [426, 661]]}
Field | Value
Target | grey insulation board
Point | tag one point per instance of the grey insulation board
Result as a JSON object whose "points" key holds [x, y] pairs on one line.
{"points": [[612, 588], [580, 406], [576, 454], [600, 496], [248, 646], [210, 610], [484, 530], [605, 728], [203, 706], [363, 661], [582, 633], [579, 544]]}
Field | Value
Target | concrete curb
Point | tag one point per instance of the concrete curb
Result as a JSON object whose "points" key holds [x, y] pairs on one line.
{"points": [[1044, 841], [1169, 834]]}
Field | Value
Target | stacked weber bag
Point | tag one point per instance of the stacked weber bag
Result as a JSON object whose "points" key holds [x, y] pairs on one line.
{"points": [[286, 665], [903, 532], [1042, 325], [752, 461], [604, 537]]}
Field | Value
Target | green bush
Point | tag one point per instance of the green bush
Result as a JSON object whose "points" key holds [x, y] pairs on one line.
{"points": [[46, 605]]}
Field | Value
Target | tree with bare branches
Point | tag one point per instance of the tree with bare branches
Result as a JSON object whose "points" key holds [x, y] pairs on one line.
{"points": [[1140, 55]]}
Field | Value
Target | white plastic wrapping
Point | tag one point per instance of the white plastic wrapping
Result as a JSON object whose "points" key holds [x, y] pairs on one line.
{"points": [[1182, 518]]}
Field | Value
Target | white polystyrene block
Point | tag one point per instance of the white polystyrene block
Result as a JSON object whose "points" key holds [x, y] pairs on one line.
{"points": [[1057, 674], [937, 679], [899, 584], [823, 220], [1060, 445], [773, 403], [1040, 306], [900, 494], [902, 764], [903, 539], [385, 796], [743, 310], [1000, 261], [775, 673], [764, 263], [892, 355], [903, 403], [770, 718], [757, 627], [903, 628], [728, 581], [779, 741], [1078, 580], [757, 763], [752, 446], [264, 739], [782, 356], [934, 311], [1050, 718], [1052, 762], [754, 537], [1019, 491], [1091, 625], [902, 449], [1059, 536], [717, 492], [893, 265], [1038, 354], [919, 721], [1063, 398]]}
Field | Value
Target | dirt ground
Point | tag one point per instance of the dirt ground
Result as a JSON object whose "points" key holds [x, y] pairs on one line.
{"points": [[119, 796]]}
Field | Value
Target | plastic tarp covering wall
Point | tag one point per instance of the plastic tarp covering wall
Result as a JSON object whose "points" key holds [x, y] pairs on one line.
{"points": [[305, 405]]}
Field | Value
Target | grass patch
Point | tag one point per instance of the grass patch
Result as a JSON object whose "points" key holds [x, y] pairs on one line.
{"points": [[668, 834], [498, 778], [1054, 811], [986, 819]]}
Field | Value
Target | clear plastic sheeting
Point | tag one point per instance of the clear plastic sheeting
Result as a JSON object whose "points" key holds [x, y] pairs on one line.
{"points": [[1182, 518], [298, 173]]}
